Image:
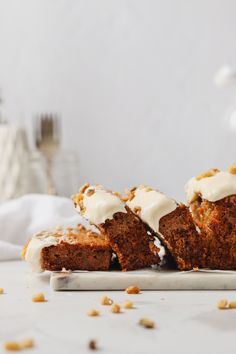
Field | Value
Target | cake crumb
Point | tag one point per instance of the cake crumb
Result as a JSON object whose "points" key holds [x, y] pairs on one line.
{"points": [[93, 313], [195, 269], [92, 344], [145, 322], [1, 291], [133, 290], [128, 304], [222, 304], [105, 300], [232, 305], [12, 346], [115, 308], [38, 298]]}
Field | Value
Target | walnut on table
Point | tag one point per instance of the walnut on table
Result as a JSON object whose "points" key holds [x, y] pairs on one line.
{"points": [[133, 290], [115, 308], [93, 313], [145, 322], [38, 298]]}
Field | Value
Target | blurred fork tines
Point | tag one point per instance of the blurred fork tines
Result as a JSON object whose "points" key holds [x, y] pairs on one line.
{"points": [[47, 134]]}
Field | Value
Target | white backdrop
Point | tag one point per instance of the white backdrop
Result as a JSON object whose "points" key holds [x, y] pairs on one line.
{"points": [[132, 79]]}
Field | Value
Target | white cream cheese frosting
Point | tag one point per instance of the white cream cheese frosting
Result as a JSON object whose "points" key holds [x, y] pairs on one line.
{"points": [[35, 246], [100, 205], [213, 188], [153, 206]]}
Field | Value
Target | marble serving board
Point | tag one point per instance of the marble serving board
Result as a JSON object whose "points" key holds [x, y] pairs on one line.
{"points": [[146, 279]]}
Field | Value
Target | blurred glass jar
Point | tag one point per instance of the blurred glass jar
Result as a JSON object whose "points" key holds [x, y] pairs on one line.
{"points": [[38, 174], [65, 173]]}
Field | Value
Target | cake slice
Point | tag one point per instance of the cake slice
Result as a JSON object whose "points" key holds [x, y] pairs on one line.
{"points": [[171, 223], [69, 248], [212, 199], [125, 232]]}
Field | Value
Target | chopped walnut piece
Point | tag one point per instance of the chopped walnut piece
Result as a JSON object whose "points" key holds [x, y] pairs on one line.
{"points": [[130, 193], [27, 343], [232, 169], [93, 313], [90, 192], [115, 308], [195, 269], [222, 304], [77, 198], [146, 188], [153, 248], [92, 344], [1, 291], [12, 346], [124, 198], [84, 187], [117, 194], [137, 210], [23, 251], [81, 227], [232, 305], [133, 290], [145, 322], [105, 300], [38, 297], [128, 304], [208, 173]]}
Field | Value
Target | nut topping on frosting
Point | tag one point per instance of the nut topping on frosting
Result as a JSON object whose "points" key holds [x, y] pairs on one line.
{"points": [[208, 173], [232, 169], [150, 205], [137, 210], [84, 187], [221, 184], [90, 192], [99, 205]]}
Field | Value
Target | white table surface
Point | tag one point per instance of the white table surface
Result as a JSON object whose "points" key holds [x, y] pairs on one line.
{"points": [[187, 321]]}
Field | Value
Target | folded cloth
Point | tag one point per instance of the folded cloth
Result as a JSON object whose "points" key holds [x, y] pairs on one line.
{"points": [[22, 217]]}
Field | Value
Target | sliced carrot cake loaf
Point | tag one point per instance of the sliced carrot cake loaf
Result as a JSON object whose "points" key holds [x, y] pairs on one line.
{"points": [[212, 199], [171, 222], [125, 232], [69, 248]]}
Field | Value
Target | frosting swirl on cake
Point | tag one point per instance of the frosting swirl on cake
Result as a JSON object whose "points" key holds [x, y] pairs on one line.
{"points": [[211, 187], [97, 204], [150, 205]]}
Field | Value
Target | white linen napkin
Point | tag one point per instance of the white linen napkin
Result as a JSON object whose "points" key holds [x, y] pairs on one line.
{"points": [[21, 218]]}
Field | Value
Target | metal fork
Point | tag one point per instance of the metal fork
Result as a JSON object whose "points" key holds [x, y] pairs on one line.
{"points": [[47, 140]]}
